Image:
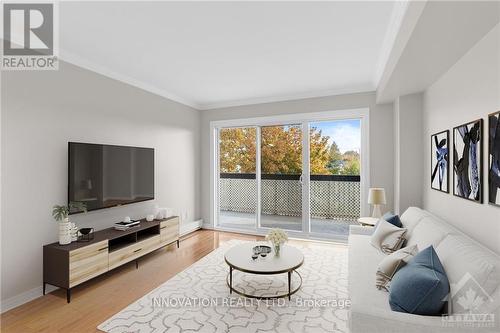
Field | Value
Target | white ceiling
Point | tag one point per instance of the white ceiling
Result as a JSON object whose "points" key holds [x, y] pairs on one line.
{"points": [[231, 53]]}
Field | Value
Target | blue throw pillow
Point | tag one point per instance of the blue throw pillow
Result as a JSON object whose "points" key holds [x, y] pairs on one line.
{"points": [[421, 286], [393, 219]]}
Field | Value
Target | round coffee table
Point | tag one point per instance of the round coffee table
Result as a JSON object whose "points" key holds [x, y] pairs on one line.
{"points": [[239, 257]]}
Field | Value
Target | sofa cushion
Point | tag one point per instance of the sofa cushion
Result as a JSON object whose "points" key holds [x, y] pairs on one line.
{"points": [[462, 260], [411, 217], [393, 219], [429, 231], [363, 262], [421, 287], [390, 264], [387, 237]]}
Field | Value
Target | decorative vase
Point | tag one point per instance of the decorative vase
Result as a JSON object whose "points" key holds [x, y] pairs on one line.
{"points": [[64, 232], [277, 249], [73, 232]]}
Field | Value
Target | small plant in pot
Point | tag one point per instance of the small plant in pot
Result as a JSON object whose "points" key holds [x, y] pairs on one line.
{"points": [[60, 214], [277, 237]]}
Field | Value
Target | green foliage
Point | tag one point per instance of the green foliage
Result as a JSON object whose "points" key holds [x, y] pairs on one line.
{"points": [[281, 152], [351, 163], [281, 149], [60, 212], [335, 161]]}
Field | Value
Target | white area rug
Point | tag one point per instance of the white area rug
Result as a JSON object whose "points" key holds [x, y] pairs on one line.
{"points": [[198, 299]]}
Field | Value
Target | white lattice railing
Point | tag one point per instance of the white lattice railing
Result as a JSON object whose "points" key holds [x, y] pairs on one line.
{"points": [[332, 197]]}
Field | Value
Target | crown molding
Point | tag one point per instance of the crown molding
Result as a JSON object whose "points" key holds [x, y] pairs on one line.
{"points": [[79, 61], [289, 97]]}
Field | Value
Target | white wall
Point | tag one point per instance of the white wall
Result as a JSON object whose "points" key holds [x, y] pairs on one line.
{"points": [[468, 91], [381, 134], [41, 112], [408, 173]]}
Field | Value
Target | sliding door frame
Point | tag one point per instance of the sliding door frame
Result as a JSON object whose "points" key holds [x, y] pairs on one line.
{"points": [[279, 120]]}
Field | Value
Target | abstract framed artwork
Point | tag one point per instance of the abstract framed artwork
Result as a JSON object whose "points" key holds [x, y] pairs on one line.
{"points": [[439, 161], [494, 158], [467, 161]]}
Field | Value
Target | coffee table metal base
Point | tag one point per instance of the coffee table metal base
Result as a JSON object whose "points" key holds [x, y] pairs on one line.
{"points": [[229, 281]]}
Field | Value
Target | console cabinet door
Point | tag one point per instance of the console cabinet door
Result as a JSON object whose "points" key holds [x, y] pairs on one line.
{"points": [[133, 251], [169, 230], [88, 262]]}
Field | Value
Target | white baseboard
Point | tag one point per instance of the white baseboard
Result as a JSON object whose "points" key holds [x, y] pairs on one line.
{"points": [[207, 226], [27, 296], [186, 228]]}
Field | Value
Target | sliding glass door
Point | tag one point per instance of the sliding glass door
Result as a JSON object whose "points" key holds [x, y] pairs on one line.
{"points": [[281, 177], [237, 183], [304, 177], [335, 162]]}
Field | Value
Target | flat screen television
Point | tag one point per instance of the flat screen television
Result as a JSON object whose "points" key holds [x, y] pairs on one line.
{"points": [[103, 176]]}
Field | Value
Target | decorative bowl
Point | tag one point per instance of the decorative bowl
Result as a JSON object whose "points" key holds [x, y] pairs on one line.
{"points": [[259, 249], [85, 231]]}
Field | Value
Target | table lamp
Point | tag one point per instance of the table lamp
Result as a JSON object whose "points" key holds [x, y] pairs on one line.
{"points": [[376, 197]]}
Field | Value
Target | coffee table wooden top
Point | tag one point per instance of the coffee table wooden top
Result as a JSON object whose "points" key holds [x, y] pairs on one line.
{"points": [[240, 257]]}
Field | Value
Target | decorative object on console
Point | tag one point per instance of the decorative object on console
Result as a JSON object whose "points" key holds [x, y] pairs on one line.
{"points": [[277, 237], [494, 158], [73, 232], [150, 217], [376, 197], [421, 287], [86, 234], [163, 213], [467, 161], [60, 213], [390, 265], [160, 213], [126, 225], [64, 232], [387, 238], [439, 161]]}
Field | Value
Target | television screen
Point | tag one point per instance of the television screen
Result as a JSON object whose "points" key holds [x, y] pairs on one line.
{"points": [[102, 176]]}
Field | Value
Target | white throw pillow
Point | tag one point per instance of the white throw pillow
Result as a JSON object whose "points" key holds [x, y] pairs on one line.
{"points": [[387, 237], [390, 264]]}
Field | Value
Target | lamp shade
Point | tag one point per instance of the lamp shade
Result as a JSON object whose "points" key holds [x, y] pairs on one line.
{"points": [[376, 196]]}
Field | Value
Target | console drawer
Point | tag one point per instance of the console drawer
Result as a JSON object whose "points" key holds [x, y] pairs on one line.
{"points": [[88, 262], [169, 230], [133, 251]]}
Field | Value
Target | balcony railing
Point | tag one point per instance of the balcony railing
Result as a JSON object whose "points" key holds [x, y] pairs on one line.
{"points": [[332, 196]]}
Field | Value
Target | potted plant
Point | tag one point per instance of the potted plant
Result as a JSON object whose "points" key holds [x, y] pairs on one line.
{"points": [[60, 214], [277, 237]]}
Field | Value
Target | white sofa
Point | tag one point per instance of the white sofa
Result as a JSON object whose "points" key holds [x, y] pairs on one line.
{"points": [[459, 254]]}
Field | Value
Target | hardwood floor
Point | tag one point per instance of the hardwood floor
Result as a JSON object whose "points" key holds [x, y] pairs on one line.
{"points": [[98, 299]]}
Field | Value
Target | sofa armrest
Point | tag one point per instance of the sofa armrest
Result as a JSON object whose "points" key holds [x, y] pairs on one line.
{"points": [[360, 230]]}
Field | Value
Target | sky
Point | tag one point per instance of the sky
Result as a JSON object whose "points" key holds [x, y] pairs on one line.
{"points": [[346, 133]]}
